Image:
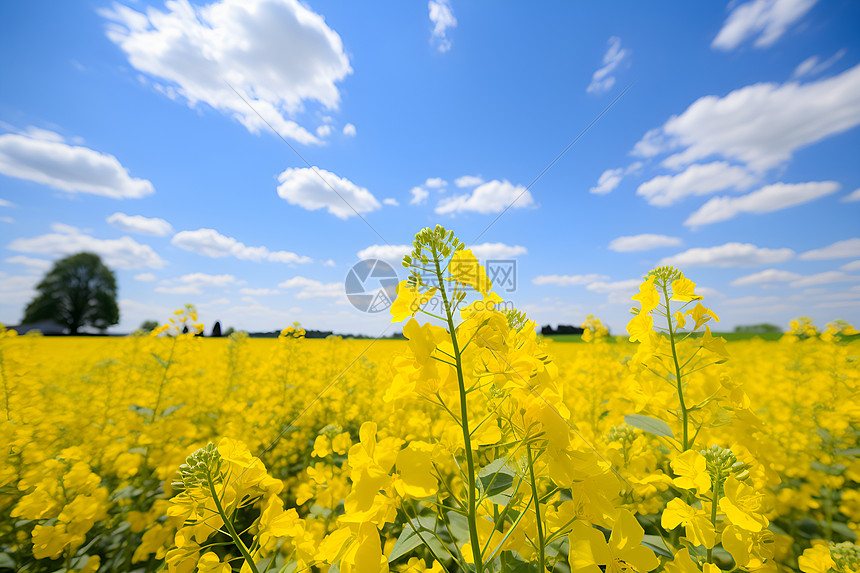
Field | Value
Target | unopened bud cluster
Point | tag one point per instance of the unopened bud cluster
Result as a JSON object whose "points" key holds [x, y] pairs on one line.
{"points": [[623, 434], [664, 275], [199, 467], [846, 555], [722, 463]]}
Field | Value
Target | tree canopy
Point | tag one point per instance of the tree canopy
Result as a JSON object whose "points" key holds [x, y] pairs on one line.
{"points": [[78, 291]]}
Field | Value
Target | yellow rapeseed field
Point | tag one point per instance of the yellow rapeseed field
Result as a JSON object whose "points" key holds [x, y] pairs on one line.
{"points": [[473, 446]]}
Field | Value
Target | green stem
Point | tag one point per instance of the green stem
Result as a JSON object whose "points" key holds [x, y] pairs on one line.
{"points": [[717, 483], [163, 380], [464, 416], [684, 417], [229, 525], [541, 541]]}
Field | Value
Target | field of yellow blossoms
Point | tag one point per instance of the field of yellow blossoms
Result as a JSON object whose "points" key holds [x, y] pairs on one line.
{"points": [[473, 446]]}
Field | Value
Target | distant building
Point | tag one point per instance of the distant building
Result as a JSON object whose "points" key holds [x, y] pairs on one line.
{"points": [[46, 327]]}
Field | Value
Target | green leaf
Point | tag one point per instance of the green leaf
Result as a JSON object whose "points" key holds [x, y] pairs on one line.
{"points": [[6, 562], [495, 478], [656, 544], [848, 451], [843, 530], [140, 410], [649, 425], [407, 541]]}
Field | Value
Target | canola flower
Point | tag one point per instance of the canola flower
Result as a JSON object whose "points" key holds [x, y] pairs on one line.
{"points": [[474, 445]]}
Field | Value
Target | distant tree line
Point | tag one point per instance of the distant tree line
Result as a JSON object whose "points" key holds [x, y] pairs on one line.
{"points": [[763, 328], [562, 329]]}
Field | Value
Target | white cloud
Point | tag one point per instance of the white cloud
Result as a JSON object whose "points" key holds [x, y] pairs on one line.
{"points": [[644, 242], [568, 280], [7, 219], [258, 291], [468, 181], [728, 255], [123, 253], [303, 187], [390, 253], [329, 263], [751, 300], [443, 18], [630, 285], [139, 224], [851, 197], [827, 277], [764, 20], [603, 80], [848, 249], [419, 195], [70, 168], [435, 183], [33, 265], [5, 203], [765, 200], [349, 130], [852, 266], [489, 251], [491, 197], [766, 276], [390, 201], [194, 283], [812, 67], [145, 277], [697, 179], [761, 125], [310, 288], [324, 131], [17, 290], [191, 52], [607, 181], [211, 243]]}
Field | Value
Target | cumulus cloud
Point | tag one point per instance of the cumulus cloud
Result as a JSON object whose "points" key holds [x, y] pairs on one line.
{"points": [[761, 125], [765, 200], [145, 277], [391, 202], [630, 285], [32, 264], [435, 183], [644, 242], [848, 249], [419, 195], [139, 224], [17, 290], [310, 288], [194, 283], [303, 187], [827, 277], [763, 20], [852, 266], [211, 243], [766, 276], [122, 253], [72, 168], [349, 130], [468, 181], [608, 181], [568, 280], [191, 52], [728, 255], [443, 18], [490, 251], [259, 291], [697, 179], [491, 197], [391, 253], [483, 252], [851, 197], [5, 203], [603, 80]]}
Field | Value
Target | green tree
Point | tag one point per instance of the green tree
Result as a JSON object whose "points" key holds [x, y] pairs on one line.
{"points": [[78, 291], [149, 325]]}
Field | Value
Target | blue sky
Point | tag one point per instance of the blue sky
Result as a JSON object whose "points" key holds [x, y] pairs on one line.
{"points": [[134, 130]]}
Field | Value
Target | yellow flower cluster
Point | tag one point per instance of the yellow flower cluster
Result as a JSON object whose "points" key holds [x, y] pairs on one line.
{"points": [[474, 445]]}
